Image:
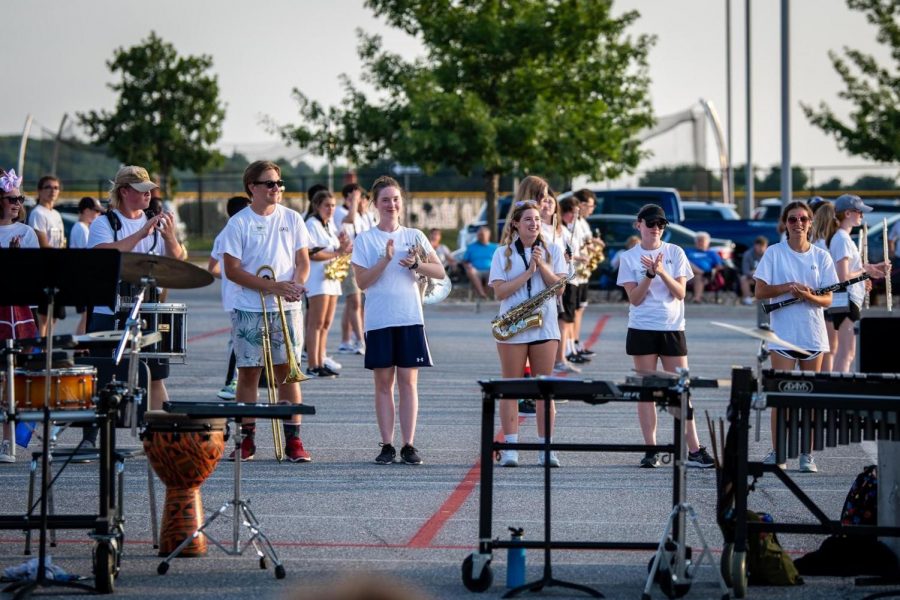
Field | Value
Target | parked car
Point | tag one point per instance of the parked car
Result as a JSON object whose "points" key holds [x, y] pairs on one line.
{"points": [[708, 211]]}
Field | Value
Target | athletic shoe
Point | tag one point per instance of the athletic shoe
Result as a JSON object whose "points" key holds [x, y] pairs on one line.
{"points": [[6, 453], [527, 408], [346, 348], [578, 359], [808, 464], [508, 458], [360, 349], [700, 459], [321, 373], [410, 455], [248, 450], [771, 458], [229, 392], [387, 456], [584, 351], [564, 367], [295, 451], [650, 460], [332, 364], [747, 301], [554, 460], [328, 372]]}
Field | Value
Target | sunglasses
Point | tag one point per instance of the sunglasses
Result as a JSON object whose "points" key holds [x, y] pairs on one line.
{"points": [[270, 184], [793, 220], [656, 223], [15, 199]]}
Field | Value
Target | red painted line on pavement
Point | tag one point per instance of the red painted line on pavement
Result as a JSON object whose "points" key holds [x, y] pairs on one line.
{"points": [[212, 333], [598, 329]]}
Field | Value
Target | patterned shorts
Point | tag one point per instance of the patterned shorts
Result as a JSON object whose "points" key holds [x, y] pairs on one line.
{"points": [[247, 336]]}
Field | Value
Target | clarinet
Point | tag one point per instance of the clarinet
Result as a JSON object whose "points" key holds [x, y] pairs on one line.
{"points": [[767, 308]]}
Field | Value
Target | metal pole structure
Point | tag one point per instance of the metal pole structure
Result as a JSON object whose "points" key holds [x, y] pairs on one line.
{"points": [[786, 174], [55, 159], [22, 145], [729, 174], [748, 199]]}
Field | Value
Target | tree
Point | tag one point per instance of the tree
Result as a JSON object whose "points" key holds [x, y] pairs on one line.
{"points": [[874, 183], [168, 113], [772, 181], [682, 177], [874, 128], [532, 86]]}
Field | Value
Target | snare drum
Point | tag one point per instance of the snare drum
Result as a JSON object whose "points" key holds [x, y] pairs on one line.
{"points": [[170, 320], [70, 389]]}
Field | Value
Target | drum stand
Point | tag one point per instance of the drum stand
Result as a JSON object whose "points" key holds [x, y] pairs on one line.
{"points": [[240, 515]]}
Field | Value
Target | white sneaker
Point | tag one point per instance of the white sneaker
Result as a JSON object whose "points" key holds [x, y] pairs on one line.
{"points": [[565, 367], [332, 364], [6, 453], [771, 458], [229, 392], [747, 301], [808, 464], [509, 458], [346, 348], [554, 459], [360, 348]]}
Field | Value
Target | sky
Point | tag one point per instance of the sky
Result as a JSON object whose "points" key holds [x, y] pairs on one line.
{"points": [[55, 63]]}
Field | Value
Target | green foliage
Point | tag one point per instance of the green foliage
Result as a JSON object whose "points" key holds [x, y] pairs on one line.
{"points": [[682, 177], [873, 90], [875, 183], [168, 113], [772, 181], [832, 185]]}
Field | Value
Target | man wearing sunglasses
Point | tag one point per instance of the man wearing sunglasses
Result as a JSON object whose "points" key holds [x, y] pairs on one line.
{"points": [[48, 224]]}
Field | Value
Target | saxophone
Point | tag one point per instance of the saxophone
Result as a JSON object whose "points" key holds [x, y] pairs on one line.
{"points": [[595, 255], [338, 268], [525, 314]]}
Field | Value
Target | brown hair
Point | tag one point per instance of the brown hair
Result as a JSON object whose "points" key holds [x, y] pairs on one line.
{"points": [[795, 205], [47, 179], [255, 169], [531, 188], [383, 182], [510, 235], [824, 224], [317, 200]]}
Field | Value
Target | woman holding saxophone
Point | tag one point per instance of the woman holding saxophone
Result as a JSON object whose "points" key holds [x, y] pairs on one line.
{"points": [[522, 268], [324, 284], [387, 260]]}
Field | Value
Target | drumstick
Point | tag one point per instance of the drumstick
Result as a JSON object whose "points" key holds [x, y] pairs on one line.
{"points": [[712, 437]]}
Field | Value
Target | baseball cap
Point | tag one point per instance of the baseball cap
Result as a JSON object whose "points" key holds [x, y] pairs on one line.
{"points": [[652, 211], [88, 202], [850, 202], [815, 201], [136, 177]]}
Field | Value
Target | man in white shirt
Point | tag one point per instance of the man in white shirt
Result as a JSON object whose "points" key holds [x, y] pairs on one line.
{"points": [[48, 225]]}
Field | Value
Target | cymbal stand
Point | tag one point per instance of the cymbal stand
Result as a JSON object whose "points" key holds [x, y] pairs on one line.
{"points": [[758, 402], [240, 515], [10, 418], [671, 566]]}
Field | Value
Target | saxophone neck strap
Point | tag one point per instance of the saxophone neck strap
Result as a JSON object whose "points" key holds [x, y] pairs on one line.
{"points": [[520, 248]]}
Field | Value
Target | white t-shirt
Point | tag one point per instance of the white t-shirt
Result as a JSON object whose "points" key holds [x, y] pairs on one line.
{"points": [[18, 233], [326, 238], [894, 236], [360, 222], [801, 324], [842, 247], [229, 289], [271, 240], [102, 233], [660, 310], [49, 221], [549, 329], [559, 238], [78, 238], [393, 300]]}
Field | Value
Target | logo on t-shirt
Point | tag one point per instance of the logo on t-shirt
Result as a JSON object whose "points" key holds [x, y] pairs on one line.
{"points": [[282, 229]]}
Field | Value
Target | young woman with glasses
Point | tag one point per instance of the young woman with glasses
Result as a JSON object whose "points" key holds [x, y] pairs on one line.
{"points": [[654, 274], [795, 268]]}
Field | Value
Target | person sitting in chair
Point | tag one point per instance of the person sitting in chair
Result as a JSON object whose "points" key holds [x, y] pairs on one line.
{"points": [[477, 260], [704, 262]]}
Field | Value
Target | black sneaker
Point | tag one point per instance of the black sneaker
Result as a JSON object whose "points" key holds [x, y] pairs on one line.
{"points": [[584, 352], [650, 460], [410, 455], [312, 372], [700, 459], [328, 372], [578, 359], [527, 407], [387, 456]]}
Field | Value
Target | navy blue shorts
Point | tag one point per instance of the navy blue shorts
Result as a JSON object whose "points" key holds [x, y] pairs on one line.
{"points": [[404, 347]]}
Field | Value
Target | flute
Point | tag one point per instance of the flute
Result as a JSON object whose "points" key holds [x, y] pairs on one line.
{"points": [[864, 257], [767, 308], [888, 297]]}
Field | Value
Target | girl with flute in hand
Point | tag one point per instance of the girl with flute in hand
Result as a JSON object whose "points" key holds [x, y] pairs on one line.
{"points": [[523, 266], [794, 269], [387, 260]]}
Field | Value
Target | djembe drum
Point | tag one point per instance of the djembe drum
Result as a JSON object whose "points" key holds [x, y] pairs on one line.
{"points": [[183, 452]]}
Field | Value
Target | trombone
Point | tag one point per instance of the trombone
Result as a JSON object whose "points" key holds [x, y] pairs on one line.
{"points": [[295, 375]]}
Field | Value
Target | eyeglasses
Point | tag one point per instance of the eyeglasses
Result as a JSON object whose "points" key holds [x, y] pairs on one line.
{"points": [[50, 187], [793, 220], [270, 184], [656, 223], [15, 199]]}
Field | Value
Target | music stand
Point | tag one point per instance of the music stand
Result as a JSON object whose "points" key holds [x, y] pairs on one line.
{"points": [[55, 276]]}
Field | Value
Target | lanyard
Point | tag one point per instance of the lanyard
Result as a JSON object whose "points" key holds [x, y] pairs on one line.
{"points": [[520, 248]]}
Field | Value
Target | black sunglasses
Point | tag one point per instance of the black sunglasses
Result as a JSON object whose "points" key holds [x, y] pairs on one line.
{"points": [[15, 199], [270, 184], [651, 223]]}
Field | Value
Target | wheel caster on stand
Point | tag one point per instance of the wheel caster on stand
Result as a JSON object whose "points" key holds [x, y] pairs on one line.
{"points": [[485, 577], [262, 563], [739, 574], [280, 572], [104, 567], [725, 563]]}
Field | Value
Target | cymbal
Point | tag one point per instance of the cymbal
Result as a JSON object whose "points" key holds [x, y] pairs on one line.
{"points": [[168, 272], [760, 334]]}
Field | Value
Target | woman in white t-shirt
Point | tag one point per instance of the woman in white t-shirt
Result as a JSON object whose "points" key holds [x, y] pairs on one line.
{"points": [[322, 293], [387, 266], [823, 227], [654, 274], [524, 265], [795, 268]]}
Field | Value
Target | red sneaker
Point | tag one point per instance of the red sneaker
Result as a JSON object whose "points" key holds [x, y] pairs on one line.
{"points": [[248, 450], [295, 452]]}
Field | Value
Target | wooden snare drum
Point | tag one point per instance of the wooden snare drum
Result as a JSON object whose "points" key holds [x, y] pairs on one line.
{"points": [[70, 389], [183, 452]]}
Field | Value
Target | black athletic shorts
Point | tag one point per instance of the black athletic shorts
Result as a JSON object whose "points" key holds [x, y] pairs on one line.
{"points": [[405, 347], [838, 316], [59, 311], [569, 303], [641, 342]]}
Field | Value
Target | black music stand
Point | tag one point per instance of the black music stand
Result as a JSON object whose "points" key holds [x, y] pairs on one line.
{"points": [[241, 513], [55, 276]]}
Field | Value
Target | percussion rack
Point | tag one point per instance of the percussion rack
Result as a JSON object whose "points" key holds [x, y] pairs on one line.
{"points": [[812, 410], [669, 392]]}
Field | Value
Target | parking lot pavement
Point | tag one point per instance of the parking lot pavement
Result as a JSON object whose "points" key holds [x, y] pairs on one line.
{"points": [[342, 515]]}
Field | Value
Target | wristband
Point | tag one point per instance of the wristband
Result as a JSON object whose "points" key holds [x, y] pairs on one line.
{"points": [[649, 276], [414, 266]]}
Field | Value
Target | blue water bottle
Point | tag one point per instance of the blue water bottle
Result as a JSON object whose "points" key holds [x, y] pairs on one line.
{"points": [[515, 560]]}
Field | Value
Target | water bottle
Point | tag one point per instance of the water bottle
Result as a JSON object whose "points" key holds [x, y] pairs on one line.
{"points": [[515, 560]]}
